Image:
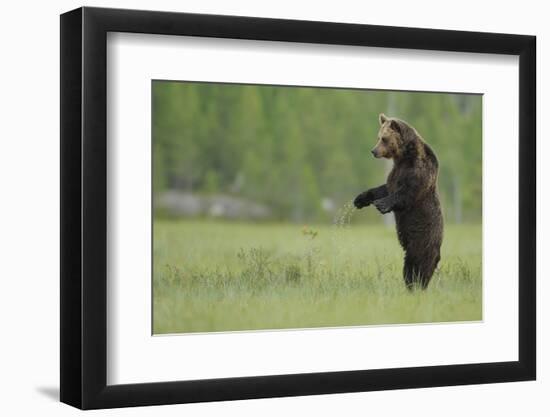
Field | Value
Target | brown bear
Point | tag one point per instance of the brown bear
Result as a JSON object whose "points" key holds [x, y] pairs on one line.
{"points": [[411, 193]]}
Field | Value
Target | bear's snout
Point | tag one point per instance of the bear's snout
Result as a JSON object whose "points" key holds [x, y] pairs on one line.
{"points": [[374, 153]]}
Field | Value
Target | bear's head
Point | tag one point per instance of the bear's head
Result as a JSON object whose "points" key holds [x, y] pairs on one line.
{"points": [[390, 139]]}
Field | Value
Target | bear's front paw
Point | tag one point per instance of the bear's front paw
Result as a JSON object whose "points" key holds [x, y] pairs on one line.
{"points": [[362, 200], [383, 205]]}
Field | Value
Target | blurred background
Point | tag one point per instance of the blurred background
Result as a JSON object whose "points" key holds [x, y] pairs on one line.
{"points": [[297, 154]]}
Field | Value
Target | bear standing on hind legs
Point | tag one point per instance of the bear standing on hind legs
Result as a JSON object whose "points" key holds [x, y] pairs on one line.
{"points": [[411, 193]]}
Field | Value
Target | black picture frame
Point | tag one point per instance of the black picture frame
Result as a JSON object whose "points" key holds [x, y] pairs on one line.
{"points": [[84, 207]]}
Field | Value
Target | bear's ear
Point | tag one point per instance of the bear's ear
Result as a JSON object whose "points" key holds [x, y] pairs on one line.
{"points": [[382, 118], [395, 126]]}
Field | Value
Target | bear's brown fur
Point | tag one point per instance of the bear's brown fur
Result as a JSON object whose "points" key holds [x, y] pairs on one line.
{"points": [[411, 193]]}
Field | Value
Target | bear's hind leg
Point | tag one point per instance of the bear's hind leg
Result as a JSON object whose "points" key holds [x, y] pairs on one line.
{"points": [[427, 271], [410, 272], [417, 272]]}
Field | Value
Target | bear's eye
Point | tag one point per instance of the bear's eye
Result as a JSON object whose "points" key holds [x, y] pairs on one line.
{"points": [[384, 140]]}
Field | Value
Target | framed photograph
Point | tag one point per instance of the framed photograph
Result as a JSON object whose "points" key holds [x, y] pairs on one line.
{"points": [[258, 208]]}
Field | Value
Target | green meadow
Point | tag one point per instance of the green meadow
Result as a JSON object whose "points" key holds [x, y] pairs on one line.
{"points": [[214, 276]]}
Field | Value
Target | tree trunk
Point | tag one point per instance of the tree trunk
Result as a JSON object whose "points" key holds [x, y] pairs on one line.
{"points": [[457, 199]]}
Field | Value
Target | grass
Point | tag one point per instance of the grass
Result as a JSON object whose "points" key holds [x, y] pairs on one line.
{"points": [[215, 276]]}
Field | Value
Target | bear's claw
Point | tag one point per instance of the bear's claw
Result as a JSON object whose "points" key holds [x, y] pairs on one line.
{"points": [[362, 200]]}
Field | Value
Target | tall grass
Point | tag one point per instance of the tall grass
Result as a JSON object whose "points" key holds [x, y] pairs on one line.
{"points": [[215, 276]]}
